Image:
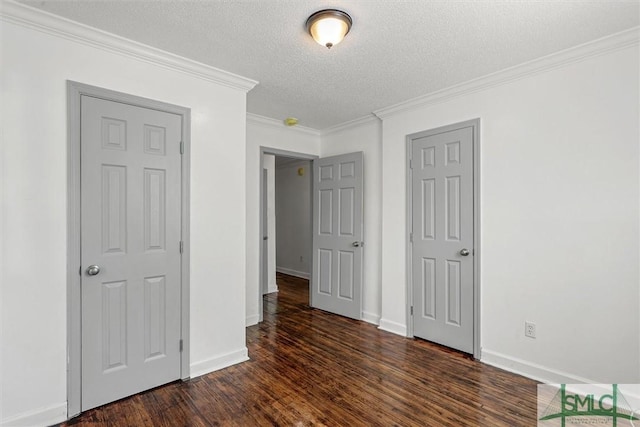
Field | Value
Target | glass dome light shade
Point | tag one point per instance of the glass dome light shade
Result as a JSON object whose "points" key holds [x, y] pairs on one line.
{"points": [[328, 27]]}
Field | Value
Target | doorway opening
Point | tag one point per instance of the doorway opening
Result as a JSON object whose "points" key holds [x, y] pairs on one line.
{"points": [[336, 231], [285, 217]]}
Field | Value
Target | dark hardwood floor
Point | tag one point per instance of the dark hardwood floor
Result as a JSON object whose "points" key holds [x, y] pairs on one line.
{"points": [[311, 368]]}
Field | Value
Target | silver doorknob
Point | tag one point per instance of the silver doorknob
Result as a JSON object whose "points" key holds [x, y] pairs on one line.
{"points": [[357, 244], [464, 252], [93, 270]]}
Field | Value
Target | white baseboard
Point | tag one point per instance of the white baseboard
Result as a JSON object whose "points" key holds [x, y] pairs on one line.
{"points": [[531, 370], [393, 327], [272, 285], [58, 413], [295, 273], [544, 374], [205, 366], [46, 416], [252, 320], [272, 288], [371, 317]]}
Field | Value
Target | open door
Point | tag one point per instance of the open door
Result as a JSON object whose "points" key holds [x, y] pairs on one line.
{"points": [[336, 279]]}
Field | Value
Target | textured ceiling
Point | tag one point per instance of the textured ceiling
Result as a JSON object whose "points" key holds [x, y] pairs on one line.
{"points": [[396, 50]]}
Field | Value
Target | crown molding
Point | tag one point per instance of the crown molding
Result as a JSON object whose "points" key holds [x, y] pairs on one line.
{"points": [[370, 118], [39, 20], [617, 41], [277, 124]]}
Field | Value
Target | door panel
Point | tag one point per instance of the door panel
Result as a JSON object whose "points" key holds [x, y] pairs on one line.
{"points": [[336, 281], [131, 229], [442, 225]]}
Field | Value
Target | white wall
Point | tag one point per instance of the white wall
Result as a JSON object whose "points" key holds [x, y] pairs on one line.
{"points": [[263, 132], [269, 164], [559, 211], [365, 136], [35, 68], [293, 219]]}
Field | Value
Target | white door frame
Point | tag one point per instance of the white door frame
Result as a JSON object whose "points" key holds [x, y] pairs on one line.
{"points": [[475, 124], [74, 302], [284, 153]]}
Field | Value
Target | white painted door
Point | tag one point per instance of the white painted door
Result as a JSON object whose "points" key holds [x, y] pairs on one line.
{"points": [[442, 234], [130, 229], [336, 280]]}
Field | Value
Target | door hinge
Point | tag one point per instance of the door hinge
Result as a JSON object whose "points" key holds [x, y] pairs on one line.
{"points": [[410, 163], [80, 271], [412, 310], [411, 237], [181, 345], [181, 246], [181, 147]]}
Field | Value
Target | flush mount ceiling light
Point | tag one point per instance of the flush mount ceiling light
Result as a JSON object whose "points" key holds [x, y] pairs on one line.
{"points": [[328, 27]]}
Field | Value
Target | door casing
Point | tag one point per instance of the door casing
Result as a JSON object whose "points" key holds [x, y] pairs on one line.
{"points": [[475, 124], [74, 303]]}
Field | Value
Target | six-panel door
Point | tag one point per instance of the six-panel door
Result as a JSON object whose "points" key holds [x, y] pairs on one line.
{"points": [[336, 280], [130, 229], [442, 228]]}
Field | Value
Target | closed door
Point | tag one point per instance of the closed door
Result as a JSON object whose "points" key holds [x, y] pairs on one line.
{"points": [[442, 236], [265, 231], [336, 282], [130, 249]]}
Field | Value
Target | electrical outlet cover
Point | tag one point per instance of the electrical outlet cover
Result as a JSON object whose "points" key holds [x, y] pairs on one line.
{"points": [[530, 329]]}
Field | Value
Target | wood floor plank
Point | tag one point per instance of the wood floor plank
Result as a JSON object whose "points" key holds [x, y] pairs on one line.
{"points": [[311, 368]]}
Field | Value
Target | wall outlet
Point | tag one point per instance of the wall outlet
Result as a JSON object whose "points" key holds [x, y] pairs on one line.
{"points": [[529, 329]]}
